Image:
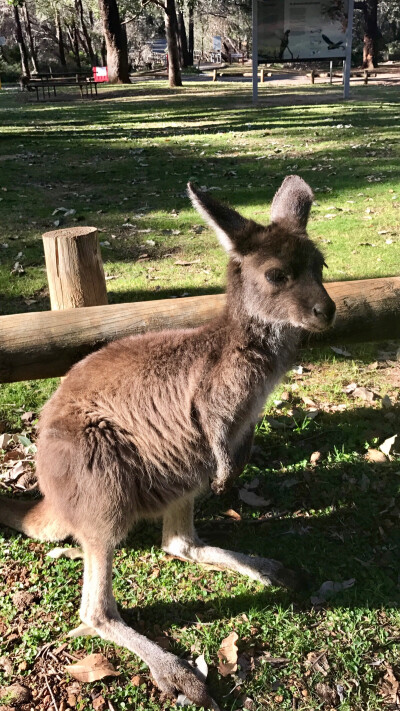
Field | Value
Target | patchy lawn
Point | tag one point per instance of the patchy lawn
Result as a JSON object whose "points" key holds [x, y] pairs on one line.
{"points": [[331, 494]]}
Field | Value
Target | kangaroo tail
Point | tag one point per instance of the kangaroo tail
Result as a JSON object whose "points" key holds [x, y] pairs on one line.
{"points": [[34, 518]]}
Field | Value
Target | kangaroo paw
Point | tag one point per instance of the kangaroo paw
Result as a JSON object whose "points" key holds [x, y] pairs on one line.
{"points": [[71, 553], [175, 676], [82, 631], [271, 572]]}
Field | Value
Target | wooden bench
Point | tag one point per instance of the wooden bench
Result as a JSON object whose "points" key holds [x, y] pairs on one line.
{"points": [[48, 84]]}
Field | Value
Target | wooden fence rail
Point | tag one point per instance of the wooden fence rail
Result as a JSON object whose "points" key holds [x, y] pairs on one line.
{"points": [[47, 344]]}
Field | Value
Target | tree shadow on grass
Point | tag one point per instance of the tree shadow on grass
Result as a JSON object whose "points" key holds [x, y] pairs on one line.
{"points": [[336, 521]]}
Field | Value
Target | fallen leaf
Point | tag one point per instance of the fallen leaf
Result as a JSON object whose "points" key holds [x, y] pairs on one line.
{"points": [[390, 687], [187, 264], [137, 680], [326, 693], [99, 703], [318, 662], [253, 484], [375, 456], [386, 402], [252, 499], [387, 445], [315, 457], [92, 668], [365, 394], [233, 514], [350, 388], [228, 654], [330, 588], [5, 440], [308, 401], [341, 351]]}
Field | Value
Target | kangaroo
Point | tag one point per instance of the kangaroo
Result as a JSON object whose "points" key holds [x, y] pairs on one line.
{"points": [[139, 428]]}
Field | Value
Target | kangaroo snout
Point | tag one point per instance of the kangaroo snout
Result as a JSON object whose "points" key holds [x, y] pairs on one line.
{"points": [[324, 311]]}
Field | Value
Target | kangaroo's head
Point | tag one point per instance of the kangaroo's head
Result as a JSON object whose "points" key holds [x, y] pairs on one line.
{"points": [[275, 272]]}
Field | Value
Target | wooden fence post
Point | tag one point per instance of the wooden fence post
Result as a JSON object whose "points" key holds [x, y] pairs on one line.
{"points": [[74, 268], [262, 74]]}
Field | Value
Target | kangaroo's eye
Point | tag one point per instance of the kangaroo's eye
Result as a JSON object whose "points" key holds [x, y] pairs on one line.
{"points": [[276, 276]]}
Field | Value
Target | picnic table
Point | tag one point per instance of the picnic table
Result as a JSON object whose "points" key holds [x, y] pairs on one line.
{"points": [[47, 84]]}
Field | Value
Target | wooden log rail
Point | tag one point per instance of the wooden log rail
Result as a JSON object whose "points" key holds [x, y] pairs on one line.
{"points": [[46, 344]]}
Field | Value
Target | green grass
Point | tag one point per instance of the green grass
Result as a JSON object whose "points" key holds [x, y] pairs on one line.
{"points": [[127, 158]]}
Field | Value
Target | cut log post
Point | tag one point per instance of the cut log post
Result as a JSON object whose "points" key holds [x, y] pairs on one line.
{"points": [[47, 344], [74, 268]]}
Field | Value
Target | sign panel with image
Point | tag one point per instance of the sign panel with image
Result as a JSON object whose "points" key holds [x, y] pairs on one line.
{"points": [[297, 30]]}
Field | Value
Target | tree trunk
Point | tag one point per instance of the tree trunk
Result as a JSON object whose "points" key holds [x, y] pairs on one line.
{"points": [[60, 39], [75, 44], [116, 43], [28, 28], [171, 28], [183, 40], [103, 51], [21, 44], [88, 40], [191, 34], [371, 34]]}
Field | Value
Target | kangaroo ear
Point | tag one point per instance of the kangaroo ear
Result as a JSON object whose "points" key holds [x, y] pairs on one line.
{"points": [[229, 226], [292, 202]]}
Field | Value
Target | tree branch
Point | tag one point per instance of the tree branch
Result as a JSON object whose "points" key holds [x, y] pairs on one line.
{"points": [[134, 17]]}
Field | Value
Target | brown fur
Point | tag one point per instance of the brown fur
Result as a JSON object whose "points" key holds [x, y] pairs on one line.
{"points": [[138, 428]]}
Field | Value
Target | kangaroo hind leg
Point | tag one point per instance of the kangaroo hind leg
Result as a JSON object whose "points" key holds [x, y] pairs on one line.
{"points": [[99, 615], [180, 539]]}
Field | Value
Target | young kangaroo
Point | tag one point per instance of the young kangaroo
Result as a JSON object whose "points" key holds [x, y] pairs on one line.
{"points": [[140, 427]]}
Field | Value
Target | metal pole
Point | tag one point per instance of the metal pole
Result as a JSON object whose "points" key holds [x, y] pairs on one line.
{"points": [[255, 51], [349, 40]]}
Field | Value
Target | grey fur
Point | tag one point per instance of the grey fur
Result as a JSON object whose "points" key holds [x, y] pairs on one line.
{"points": [[140, 427]]}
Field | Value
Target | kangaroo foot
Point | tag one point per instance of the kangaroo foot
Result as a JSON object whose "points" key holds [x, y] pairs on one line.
{"points": [[175, 676], [71, 553], [83, 630]]}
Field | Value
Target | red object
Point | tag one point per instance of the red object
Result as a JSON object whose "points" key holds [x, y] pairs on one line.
{"points": [[100, 74]]}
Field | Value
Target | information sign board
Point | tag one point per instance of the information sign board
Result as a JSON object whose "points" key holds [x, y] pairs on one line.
{"points": [[301, 30]]}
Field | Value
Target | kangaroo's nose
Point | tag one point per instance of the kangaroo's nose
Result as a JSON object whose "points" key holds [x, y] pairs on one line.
{"points": [[325, 311]]}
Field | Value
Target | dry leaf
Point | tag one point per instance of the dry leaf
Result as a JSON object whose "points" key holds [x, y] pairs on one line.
{"points": [[326, 693], [187, 264], [375, 456], [350, 388], [228, 654], [386, 402], [329, 588], [252, 499], [5, 440], [365, 394], [308, 401], [318, 662], [99, 703], [390, 687], [387, 445], [341, 351], [91, 668], [233, 514], [315, 457]]}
